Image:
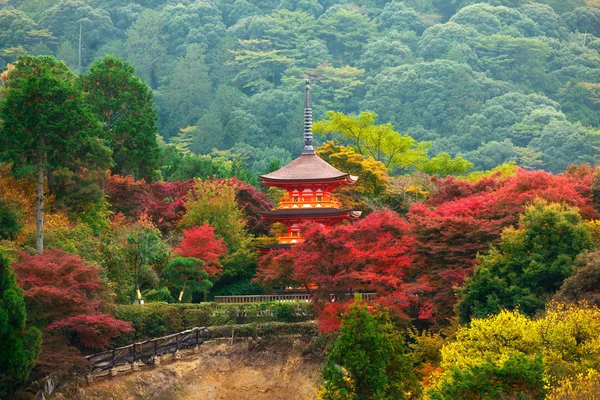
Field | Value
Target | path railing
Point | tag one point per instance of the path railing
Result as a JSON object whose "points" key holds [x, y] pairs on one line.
{"points": [[146, 351], [262, 298], [278, 297]]}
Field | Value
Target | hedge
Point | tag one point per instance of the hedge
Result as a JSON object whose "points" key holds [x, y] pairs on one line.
{"points": [[262, 330], [159, 319]]}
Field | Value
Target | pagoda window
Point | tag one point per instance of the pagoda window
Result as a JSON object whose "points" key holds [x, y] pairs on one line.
{"points": [[296, 199], [319, 198]]}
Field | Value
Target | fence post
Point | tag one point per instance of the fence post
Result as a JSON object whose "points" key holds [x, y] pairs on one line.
{"points": [[113, 357]]}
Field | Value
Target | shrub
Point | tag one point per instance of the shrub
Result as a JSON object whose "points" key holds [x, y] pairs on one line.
{"points": [[157, 319]]}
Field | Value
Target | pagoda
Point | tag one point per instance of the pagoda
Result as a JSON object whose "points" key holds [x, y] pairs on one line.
{"points": [[308, 182]]}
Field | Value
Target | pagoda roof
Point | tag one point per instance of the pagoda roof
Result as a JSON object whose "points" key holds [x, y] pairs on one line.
{"points": [[309, 212], [308, 167]]}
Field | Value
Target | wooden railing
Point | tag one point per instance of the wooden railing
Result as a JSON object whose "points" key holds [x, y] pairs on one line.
{"points": [[262, 298], [146, 351], [278, 297]]}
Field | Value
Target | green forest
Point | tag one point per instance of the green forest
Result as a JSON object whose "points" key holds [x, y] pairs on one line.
{"points": [[133, 134], [491, 81]]}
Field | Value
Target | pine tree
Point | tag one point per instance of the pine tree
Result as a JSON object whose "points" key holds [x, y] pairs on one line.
{"points": [[19, 346], [124, 105], [47, 124]]}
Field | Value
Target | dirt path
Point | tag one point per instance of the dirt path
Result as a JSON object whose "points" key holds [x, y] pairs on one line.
{"points": [[220, 372]]}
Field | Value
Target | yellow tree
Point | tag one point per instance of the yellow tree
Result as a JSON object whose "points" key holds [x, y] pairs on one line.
{"points": [[373, 181], [381, 142]]}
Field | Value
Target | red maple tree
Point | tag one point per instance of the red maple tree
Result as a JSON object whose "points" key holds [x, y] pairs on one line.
{"points": [[66, 299], [201, 243], [370, 255]]}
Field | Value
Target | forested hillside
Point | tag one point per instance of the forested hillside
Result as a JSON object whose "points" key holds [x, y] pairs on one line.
{"points": [[133, 134], [492, 81]]}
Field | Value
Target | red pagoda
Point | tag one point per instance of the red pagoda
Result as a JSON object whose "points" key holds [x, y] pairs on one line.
{"points": [[308, 181]]}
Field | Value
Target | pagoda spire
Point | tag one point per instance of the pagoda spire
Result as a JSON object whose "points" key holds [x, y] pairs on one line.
{"points": [[308, 133]]}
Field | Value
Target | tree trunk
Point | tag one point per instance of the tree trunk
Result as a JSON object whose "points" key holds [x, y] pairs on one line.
{"points": [[182, 290], [39, 239]]}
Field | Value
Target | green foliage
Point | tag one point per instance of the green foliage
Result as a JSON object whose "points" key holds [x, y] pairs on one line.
{"points": [[59, 123], [185, 276], [67, 18], [381, 142], [155, 319], [497, 357], [529, 265], [124, 105], [443, 164], [14, 27], [10, 220], [185, 98], [214, 202], [367, 360], [19, 346]]}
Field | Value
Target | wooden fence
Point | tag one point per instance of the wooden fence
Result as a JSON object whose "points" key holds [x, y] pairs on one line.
{"points": [[278, 297], [262, 298], [146, 351]]}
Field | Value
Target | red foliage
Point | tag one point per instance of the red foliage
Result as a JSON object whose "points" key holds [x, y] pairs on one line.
{"points": [[65, 294], [415, 266], [330, 318], [167, 203], [126, 195], [372, 254], [468, 218], [251, 202], [201, 243], [164, 202]]}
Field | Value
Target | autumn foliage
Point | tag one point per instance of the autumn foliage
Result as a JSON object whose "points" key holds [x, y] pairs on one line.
{"points": [[416, 264], [66, 295], [371, 255], [200, 242], [164, 202], [463, 219]]}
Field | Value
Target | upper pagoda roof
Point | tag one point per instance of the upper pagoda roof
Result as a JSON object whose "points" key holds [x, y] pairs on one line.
{"points": [[308, 167]]}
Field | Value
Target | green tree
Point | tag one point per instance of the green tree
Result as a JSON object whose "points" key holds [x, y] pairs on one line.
{"points": [[345, 28], [497, 357], [186, 97], [214, 202], [397, 16], [147, 47], [520, 60], [259, 66], [187, 276], [443, 164], [47, 124], [381, 142], [125, 106], [14, 27], [367, 361], [10, 220], [19, 346], [529, 265], [80, 24], [562, 143]]}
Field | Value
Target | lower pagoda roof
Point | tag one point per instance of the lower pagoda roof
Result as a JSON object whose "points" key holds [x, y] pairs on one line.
{"points": [[276, 246], [309, 213]]}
